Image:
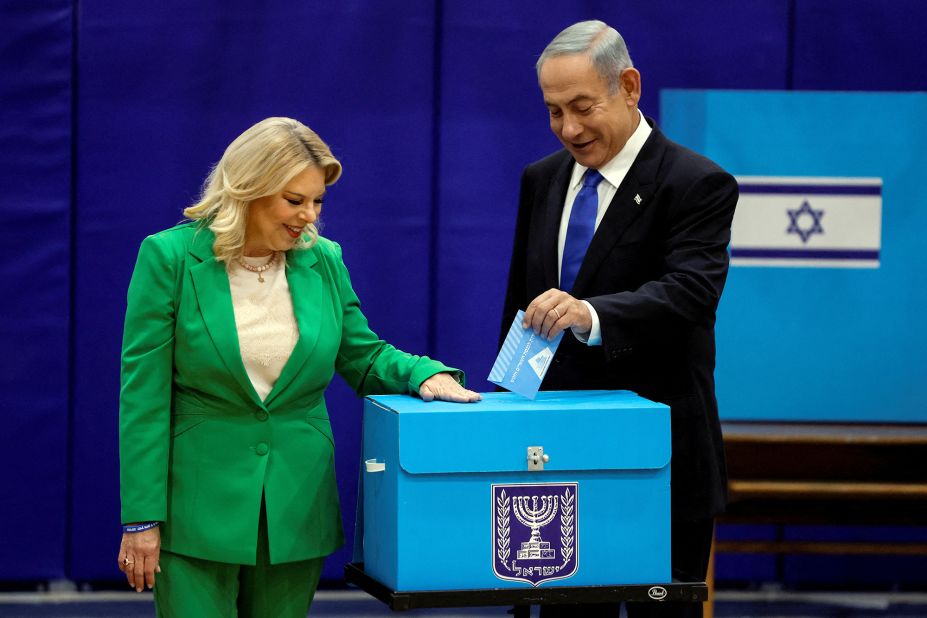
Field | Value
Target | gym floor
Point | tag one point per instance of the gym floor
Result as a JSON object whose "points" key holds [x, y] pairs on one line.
{"points": [[357, 604]]}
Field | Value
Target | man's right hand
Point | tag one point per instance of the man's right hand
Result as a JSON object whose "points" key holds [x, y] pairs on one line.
{"points": [[555, 311]]}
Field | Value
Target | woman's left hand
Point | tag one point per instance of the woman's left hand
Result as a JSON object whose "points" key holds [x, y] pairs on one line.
{"points": [[444, 387], [138, 557]]}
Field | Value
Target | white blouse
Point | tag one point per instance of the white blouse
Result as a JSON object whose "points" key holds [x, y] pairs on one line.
{"points": [[267, 329]]}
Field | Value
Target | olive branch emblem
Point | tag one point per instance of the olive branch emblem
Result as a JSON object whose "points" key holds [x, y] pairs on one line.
{"points": [[503, 529], [567, 522]]}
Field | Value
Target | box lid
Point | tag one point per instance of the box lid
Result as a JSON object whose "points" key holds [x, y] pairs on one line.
{"points": [[579, 430]]}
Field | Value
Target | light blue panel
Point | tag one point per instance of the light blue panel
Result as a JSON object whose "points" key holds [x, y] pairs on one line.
{"points": [[824, 344], [609, 431], [433, 529], [378, 495]]}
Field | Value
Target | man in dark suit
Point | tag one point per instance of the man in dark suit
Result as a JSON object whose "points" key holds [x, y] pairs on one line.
{"points": [[622, 238]]}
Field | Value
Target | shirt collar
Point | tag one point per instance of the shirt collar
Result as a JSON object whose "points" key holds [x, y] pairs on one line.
{"points": [[615, 170]]}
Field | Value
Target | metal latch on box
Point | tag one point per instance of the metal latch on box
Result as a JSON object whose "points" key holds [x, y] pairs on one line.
{"points": [[537, 458]]}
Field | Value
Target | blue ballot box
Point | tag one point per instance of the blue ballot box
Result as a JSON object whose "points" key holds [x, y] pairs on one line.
{"points": [[570, 489]]}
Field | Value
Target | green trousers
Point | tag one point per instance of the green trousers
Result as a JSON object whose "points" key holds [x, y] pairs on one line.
{"points": [[192, 587]]}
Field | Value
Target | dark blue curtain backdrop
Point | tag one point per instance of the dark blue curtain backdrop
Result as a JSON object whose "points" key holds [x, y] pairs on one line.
{"points": [[161, 93], [35, 268], [112, 113], [493, 123]]}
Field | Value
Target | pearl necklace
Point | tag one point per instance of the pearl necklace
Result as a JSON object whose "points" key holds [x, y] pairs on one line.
{"points": [[259, 269]]}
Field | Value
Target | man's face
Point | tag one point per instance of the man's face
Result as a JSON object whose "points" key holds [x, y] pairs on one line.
{"points": [[591, 123]]}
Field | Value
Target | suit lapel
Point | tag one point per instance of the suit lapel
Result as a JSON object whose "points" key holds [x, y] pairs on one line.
{"points": [[305, 289], [214, 297], [553, 211], [631, 199]]}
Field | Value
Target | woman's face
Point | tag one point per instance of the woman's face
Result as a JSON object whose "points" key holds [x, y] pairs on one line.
{"points": [[275, 222]]}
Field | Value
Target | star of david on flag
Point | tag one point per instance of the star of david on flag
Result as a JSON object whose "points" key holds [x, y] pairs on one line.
{"points": [[798, 223]]}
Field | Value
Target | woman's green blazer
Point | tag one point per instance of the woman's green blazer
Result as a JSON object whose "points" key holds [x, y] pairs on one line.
{"points": [[197, 446]]}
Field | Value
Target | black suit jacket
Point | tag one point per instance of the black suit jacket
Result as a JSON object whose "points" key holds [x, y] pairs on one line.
{"points": [[654, 273]]}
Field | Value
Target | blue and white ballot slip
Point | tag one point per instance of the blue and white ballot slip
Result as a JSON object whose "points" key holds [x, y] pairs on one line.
{"points": [[523, 360]]}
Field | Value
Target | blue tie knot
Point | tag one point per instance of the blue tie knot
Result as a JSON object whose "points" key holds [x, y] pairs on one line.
{"points": [[592, 178]]}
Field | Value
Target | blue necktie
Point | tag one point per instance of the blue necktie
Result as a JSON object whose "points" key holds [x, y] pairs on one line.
{"points": [[580, 229]]}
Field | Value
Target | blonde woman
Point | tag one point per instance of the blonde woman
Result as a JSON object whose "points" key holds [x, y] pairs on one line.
{"points": [[235, 324]]}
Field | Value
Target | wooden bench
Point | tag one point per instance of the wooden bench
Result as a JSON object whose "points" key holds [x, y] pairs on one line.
{"points": [[824, 474]]}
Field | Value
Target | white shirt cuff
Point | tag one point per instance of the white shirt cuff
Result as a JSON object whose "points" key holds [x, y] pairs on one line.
{"points": [[594, 337]]}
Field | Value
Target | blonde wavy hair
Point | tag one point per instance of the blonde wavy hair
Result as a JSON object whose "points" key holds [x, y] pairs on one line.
{"points": [[259, 162]]}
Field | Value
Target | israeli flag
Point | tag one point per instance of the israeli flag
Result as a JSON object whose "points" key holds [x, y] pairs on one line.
{"points": [[807, 222]]}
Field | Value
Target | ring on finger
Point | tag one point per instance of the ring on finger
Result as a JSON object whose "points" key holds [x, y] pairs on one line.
{"points": [[127, 562], [557, 312]]}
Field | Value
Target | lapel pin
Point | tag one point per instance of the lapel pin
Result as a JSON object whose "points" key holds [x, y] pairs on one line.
{"points": [[637, 199]]}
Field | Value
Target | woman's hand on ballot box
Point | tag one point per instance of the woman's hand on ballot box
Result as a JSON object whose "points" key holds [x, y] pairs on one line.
{"points": [[444, 387]]}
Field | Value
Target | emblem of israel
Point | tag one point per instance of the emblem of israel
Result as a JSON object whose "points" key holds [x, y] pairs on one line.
{"points": [[535, 530]]}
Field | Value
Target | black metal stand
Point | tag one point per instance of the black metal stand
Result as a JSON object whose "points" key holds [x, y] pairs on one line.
{"points": [[689, 591]]}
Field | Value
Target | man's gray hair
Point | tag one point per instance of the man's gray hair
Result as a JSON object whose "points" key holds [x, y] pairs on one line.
{"points": [[604, 45]]}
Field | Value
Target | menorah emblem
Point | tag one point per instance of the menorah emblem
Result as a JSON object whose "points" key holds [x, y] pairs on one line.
{"points": [[531, 515], [535, 505]]}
